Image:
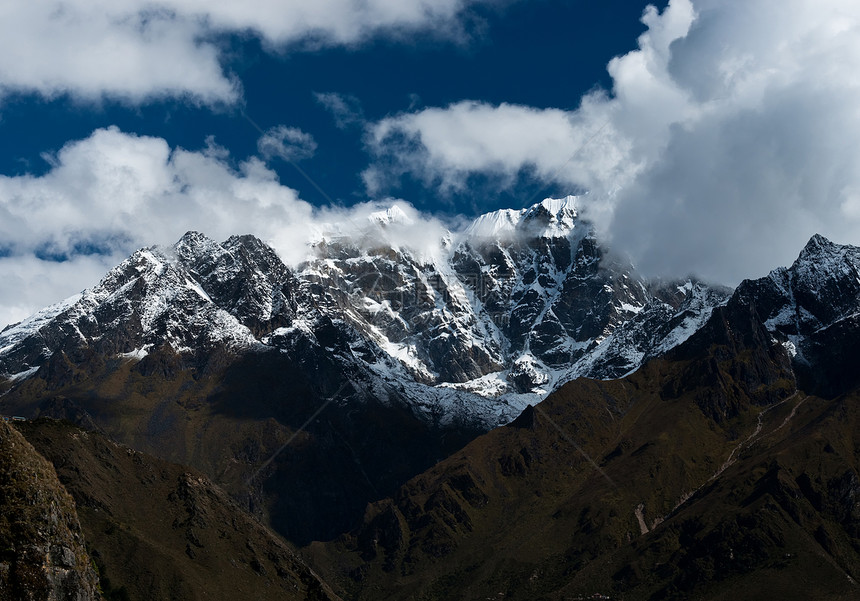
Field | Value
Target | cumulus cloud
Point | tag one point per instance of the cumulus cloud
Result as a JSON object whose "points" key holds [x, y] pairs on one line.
{"points": [[729, 136], [443, 146], [140, 49], [288, 143], [113, 192]]}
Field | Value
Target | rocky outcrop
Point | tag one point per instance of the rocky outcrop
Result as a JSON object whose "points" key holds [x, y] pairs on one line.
{"points": [[42, 551]]}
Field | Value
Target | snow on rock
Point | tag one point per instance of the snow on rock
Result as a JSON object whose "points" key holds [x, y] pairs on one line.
{"points": [[393, 214], [15, 333], [494, 319]]}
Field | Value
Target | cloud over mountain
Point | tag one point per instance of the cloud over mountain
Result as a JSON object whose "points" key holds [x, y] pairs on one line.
{"points": [[729, 134], [113, 192]]}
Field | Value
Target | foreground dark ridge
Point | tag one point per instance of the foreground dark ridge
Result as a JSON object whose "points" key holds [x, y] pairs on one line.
{"points": [[43, 556], [159, 531]]}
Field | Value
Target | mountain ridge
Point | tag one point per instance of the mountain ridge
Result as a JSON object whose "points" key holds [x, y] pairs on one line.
{"points": [[713, 472], [723, 460], [507, 320]]}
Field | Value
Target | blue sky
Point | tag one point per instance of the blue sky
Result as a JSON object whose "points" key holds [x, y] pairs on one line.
{"points": [[541, 53], [712, 137]]}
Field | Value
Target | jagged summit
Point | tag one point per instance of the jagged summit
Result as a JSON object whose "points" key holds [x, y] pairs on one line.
{"points": [[551, 217], [817, 244], [813, 309], [193, 243]]}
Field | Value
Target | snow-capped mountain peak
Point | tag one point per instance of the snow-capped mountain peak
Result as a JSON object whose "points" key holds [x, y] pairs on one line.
{"points": [[550, 218], [506, 317], [392, 215], [495, 225]]}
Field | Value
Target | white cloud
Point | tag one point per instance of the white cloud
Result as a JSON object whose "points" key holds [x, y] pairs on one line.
{"points": [[730, 136], [445, 146], [93, 49], [30, 284], [140, 49], [114, 192], [288, 143]]}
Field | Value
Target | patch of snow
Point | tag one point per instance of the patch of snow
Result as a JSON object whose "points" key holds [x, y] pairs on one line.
{"points": [[23, 375], [490, 386], [137, 354], [790, 348], [628, 308], [406, 354], [196, 288]]}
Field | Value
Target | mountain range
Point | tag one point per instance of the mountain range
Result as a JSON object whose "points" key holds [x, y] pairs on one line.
{"points": [[623, 436], [387, 358], [507, 309]]}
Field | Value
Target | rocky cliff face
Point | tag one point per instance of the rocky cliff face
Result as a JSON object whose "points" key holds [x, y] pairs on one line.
{"points": [[813, 309], [42, 551], [512, 306]]}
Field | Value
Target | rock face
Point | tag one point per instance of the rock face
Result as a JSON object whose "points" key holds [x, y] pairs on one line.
{"points": [[813, 308], [42, 551], [512, 306]]}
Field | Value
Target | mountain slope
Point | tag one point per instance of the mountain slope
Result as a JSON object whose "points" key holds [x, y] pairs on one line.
{"points": [[630, 490], [160, 531], [43, 556], [509, 307], [346, 376], [154, 357], [813, 308], [711, 473]]}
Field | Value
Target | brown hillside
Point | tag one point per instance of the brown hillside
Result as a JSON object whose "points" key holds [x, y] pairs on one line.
{"points": [[42, 551], [160, 531], [706, 476]]}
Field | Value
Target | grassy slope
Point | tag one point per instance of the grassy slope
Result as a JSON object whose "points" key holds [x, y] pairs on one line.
{"points": [[161, 531], [228, 416]]}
